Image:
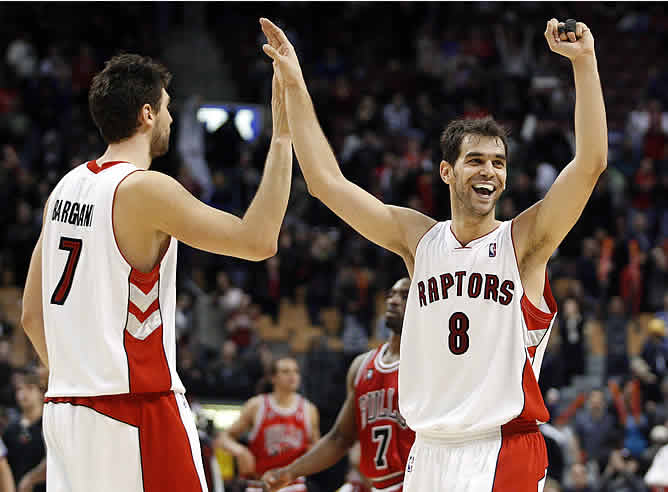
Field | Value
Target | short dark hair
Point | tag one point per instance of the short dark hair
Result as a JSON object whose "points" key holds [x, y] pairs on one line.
{"points": [[118, 93], [277, 359], [454, 133]]}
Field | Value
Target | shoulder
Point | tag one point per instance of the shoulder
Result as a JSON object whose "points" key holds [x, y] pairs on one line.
{"points": [[310, 406], [414, 225], [146, 180], [253, 404], [11, 430], [357, 365]]}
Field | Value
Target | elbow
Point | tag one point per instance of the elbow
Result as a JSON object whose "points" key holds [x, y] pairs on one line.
{"points": [[313, 189], [263, 251], [600, 164], [28, 320], [342, 441], [593, 165], [268, 251]]}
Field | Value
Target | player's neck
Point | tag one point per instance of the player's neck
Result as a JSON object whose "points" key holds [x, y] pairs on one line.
{"points": [[134, 150], [467, 228], [284, 399], [392, 352]]}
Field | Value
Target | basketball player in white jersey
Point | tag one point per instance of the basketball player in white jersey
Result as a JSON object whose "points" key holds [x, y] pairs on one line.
{"points": [[479, 310], [99, 301]]}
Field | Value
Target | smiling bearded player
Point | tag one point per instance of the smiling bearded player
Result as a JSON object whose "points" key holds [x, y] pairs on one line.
{"points": [[479, 309]]}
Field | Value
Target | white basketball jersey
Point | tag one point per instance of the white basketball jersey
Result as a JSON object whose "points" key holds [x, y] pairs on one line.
{"points": [[109, 328], [472, 342]]}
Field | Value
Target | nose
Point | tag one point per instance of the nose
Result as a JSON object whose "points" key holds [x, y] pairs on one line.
{"points": [[487, 169]]}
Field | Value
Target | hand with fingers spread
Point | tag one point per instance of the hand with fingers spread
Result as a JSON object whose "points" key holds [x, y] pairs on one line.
{"points": [[569, 39], [280, 50]]}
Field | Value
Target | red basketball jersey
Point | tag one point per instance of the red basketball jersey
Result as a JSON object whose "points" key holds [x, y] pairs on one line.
{"points": [[384, 437], [280, 435]]}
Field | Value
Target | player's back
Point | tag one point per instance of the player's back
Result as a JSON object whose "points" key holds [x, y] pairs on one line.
{"points": [[384, 437], [472, 343], [109, 328]]}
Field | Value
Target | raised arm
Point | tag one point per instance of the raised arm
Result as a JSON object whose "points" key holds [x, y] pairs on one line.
{"points": [[395, 228], [328, 450], [172, 210], [539, 230]]}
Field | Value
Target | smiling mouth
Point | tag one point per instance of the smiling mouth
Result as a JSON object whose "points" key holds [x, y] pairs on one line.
{"points": [[484, 191]]}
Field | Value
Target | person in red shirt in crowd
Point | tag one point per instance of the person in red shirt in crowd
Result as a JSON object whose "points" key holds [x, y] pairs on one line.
{"points": [[281, 426]]}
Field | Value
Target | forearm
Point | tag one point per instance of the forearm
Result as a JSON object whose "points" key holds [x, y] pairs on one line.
{"points": [[315, 156], [591, 129], [34, 329], [35, 476], [6, 477], [324, 454], [265, 213], [227, 443]]}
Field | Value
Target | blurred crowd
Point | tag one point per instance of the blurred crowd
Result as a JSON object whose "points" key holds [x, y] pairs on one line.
{"points": [[385, 79]]}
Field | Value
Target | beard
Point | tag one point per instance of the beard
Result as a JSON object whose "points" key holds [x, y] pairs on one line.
{"points": [[159, 144], [466, 200], [394, 324]]}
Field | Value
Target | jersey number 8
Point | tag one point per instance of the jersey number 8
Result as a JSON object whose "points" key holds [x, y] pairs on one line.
{"points": [[458, 339]]}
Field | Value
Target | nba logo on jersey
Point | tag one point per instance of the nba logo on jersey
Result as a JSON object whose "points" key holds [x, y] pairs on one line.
{"points": [[492, 250], [369, 374], [409, 464]]}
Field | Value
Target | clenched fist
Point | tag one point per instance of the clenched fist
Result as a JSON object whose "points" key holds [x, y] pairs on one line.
{"points": [[572, 43]]}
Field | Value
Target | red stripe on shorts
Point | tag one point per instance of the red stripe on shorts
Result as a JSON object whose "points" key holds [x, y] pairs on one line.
{"points": [[166, 457]]}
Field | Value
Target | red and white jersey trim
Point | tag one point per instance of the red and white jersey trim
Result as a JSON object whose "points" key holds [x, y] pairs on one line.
{"points": [[111, 330]]}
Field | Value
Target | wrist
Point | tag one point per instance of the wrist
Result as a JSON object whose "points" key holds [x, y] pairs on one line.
{"points": [[238, 450], [584, 61], [281, 139], [290, 472], [297, 86]]}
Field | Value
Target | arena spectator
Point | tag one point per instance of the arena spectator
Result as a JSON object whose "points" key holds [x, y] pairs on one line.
{"points": [[26, 453]]}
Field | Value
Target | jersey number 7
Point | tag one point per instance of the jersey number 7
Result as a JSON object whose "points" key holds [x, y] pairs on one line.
{"points": [[73, 247], [381, 435]]}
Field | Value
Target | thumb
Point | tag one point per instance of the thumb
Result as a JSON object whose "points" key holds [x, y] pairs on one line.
{"points": [[271, 52]]}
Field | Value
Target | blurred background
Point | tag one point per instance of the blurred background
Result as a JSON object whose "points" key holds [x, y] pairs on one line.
{"points": [[385, 79]]}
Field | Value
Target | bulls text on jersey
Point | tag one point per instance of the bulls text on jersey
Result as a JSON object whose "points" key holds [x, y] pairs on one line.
{"points": [[374, 406], [279, 438]]}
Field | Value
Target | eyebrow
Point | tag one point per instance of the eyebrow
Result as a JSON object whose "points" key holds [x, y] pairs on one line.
{"points": [[478, 154]]}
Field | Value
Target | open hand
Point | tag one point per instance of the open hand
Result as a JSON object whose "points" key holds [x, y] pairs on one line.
{"points": [[572, 45], [280, 50]]}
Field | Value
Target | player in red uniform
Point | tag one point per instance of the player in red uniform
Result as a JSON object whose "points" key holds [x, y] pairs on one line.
{"points": [[370, 414], [281, 426]]}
